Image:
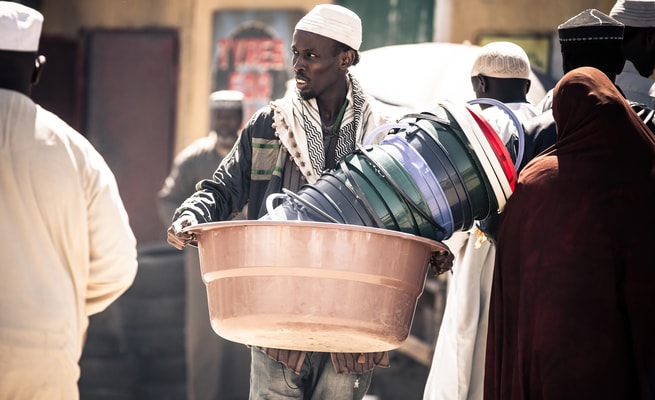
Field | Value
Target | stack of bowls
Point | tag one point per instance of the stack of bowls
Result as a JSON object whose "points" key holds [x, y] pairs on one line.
{"points": [[435, 175]]}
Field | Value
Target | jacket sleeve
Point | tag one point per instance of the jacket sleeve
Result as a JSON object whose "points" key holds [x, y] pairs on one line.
{"points": [[225, 195]]}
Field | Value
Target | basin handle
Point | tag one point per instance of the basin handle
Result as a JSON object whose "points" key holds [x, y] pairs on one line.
{"points": [[270, 209], [373, 136], [298, 199]]}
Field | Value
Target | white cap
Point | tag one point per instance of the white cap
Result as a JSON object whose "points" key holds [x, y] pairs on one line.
{"points": [[335, 22], [635, 13], [226, 99], [20, 27], [502, 60]]}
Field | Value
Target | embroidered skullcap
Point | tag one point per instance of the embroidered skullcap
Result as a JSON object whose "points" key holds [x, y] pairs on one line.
{"points": [[334, 22], [635, 13], [226, 99], [20, 27], [590, 25], [502, 60]]}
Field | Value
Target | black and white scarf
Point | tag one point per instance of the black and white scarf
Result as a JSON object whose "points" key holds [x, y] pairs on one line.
{"points": [[298, 125]]}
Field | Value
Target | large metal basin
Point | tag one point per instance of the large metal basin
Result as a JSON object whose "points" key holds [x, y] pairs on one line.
{"points": [[312, 286]]}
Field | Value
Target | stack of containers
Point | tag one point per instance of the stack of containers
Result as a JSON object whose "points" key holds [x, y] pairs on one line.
{"points": [[438, 173]]}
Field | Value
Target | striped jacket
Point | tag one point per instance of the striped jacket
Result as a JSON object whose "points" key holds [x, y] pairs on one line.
{"points": [[251, 172]]}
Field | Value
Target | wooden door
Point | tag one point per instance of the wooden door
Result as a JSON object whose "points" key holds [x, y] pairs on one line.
{"points": [[130, 102]]}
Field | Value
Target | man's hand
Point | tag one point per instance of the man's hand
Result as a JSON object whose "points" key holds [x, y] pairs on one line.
{"points": [[179, 239], [441, 261]]}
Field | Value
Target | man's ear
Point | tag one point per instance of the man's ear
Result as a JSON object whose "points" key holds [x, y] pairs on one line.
{"points": [[482, 83], [39, 64], [347, 59], [650, 38]]}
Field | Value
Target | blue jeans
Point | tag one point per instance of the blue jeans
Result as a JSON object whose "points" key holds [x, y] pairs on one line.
{"points": [[270, 380]]}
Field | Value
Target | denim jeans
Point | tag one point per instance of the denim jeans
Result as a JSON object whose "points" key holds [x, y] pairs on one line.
{"points": [[270, 380]]}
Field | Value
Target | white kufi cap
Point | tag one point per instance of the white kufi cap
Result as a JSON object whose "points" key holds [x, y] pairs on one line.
{"points": [[635, 13], [502, 60], [20, 27], [335, 22], [226, 99]]}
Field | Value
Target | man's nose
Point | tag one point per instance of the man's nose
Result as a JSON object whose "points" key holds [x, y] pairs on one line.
{"points": [[298, 64]]}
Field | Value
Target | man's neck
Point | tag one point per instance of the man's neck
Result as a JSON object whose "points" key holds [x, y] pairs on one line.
{"points": [[330, 105], [510, 97]]}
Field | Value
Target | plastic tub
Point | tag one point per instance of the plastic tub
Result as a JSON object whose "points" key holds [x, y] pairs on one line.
{"points": [[312, 286], [398, 147]]}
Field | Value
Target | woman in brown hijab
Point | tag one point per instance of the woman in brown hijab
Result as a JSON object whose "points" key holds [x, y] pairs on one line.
{"points": [[573, 300]]}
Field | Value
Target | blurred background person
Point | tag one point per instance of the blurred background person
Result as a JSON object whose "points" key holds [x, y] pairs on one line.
{"points": [[638, 16], [68, 251], [216, 368], [501, 72]]}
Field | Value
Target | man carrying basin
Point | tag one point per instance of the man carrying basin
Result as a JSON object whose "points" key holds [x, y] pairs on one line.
{"points": [[285, 145]]}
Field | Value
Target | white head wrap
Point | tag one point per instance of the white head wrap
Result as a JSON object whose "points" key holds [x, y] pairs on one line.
{"points": [[20, 27], [635, 13], [226, 99], [502, 60], [335, 22]]}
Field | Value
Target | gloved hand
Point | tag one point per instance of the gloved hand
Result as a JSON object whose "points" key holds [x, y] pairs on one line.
{"points": [[176, 237]]}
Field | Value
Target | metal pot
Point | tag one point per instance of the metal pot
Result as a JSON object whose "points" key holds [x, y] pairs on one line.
{"points": [[312, 286]]}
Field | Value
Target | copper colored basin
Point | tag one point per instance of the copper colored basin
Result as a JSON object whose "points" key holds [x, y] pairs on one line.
{"points": [[312, 286]]}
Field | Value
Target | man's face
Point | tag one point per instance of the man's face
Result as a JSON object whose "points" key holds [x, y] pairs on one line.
{"points": [[317, 63], [226, 123]]}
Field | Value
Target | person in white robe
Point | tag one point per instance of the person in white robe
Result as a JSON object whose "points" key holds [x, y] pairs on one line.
{"points": [[67, 249], [500, 72]]}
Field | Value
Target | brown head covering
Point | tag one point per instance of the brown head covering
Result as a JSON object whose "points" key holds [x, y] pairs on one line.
{"points": [[573, 294], [590, 112]]}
